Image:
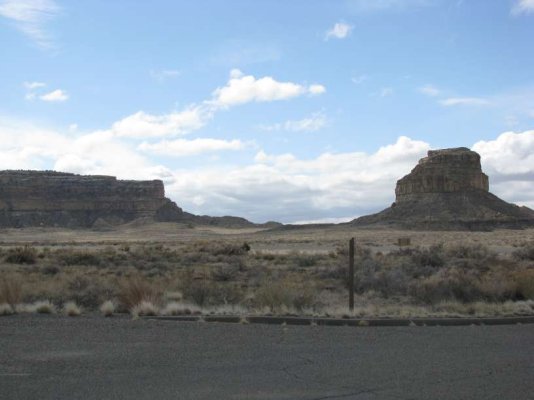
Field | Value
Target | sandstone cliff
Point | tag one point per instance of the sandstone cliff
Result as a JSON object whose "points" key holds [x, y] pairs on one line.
{"points": [[448, 190], [47, 198]]}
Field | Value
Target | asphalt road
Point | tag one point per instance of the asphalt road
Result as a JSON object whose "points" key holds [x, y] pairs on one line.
{"points": [[90, 357]]}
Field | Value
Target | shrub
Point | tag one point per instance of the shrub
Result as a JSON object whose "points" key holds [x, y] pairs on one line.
{"points": [[206, 292], [88, 293], [107, 308], [444, 287], [44, 307], [78, 258], [21, 255], [525, 284], [498, 288], [135, 290], [277, 296], [431, 257], [6, 309], [49, 270], [71, 309], [524, 253], [305, 260], [225, 272], [10, 289], [144, 308]]}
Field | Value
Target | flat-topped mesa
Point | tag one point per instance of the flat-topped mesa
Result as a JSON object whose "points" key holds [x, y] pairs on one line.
{"points": [[443, 171], [49, 198], [448, 190]]}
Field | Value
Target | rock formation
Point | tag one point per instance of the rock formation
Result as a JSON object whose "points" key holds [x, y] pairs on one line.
{"points": [[448, 190], [47, 198]]}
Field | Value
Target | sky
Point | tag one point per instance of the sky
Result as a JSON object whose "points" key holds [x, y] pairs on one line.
{"points": [[293, 111]]}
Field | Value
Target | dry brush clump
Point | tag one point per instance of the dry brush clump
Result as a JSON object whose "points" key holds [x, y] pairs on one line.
{"points": [[525, 252], [6, 309], [108, 308], [284, 295], [43, 307], [144, 308], [136, 290], [439, 273], [11, 289], [71, 309], [21, 255]]}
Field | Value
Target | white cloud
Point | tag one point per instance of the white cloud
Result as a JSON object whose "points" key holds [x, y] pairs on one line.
{"points": [[57, 95], [273, 186], [326, 220], [429, 90], [510, 154], [25, 146], [509, 162], [34, 85], [464, 101], [316, 89], [358, 80], [289, 189], [339, 31], [30, 17], [242, 89], [386, 92], [312, 123], [523, 7], [143, 125], [164, 74], [183, 147]]}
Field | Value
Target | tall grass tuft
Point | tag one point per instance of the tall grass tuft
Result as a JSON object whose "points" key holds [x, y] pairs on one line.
{"points": [[107, 308], [6, 309], [44, 307], [144, 308], [10, 289], [71, 309], [135, 290], [21, 255]]}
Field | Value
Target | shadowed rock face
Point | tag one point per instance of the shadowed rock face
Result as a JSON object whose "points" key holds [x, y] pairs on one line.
{"points": [[47, 198], [448, 190], [443, 171]]}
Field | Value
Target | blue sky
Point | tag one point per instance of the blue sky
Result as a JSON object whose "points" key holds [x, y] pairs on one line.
{"points": [[270, 110]]}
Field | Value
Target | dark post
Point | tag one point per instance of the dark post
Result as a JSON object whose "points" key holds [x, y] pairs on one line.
{"points": [[351, 274]]}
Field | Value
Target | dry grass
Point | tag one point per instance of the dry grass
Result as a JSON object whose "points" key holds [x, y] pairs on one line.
{"points": [[144, 308], [178, 308], [10, 289], [43, 307], [71, 309], [525, 284], [6, 309], [300, 272], [107, 308], [136, 290]]}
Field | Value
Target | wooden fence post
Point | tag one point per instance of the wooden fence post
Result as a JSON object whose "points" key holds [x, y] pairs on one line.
{"points": [[351, 274]]}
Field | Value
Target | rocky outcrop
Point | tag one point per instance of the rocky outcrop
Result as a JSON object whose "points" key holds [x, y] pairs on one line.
{"points": [[48, 198], [443, 171], [448, 190]]}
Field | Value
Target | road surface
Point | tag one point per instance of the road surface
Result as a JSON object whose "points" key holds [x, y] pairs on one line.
{"points": [[92, 357]]}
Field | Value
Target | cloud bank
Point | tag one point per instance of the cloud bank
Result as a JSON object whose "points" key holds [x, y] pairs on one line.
{"points": [[270, 186]]}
